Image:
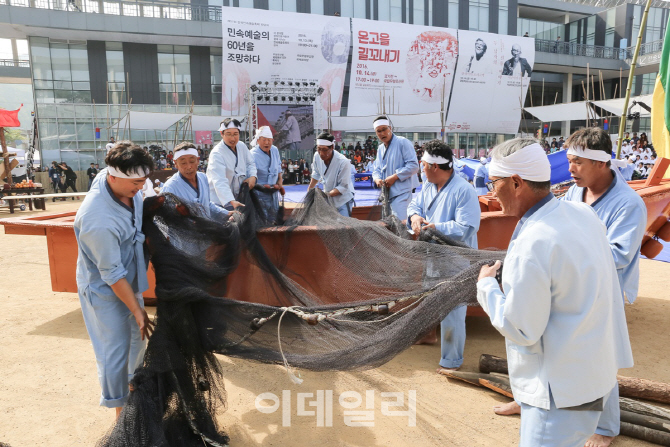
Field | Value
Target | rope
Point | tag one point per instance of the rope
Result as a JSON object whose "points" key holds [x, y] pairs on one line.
{"points": [[295, 379]]}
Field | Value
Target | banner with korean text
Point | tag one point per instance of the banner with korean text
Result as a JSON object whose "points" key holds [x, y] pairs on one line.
{"points": [[478, 78], [287, 55]]}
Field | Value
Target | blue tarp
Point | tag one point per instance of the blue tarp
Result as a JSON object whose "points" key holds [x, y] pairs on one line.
{"points": [[557, 160]]}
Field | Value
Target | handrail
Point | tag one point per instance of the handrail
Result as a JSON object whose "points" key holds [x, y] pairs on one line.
{"points": [[14, 63], [580, 49]]}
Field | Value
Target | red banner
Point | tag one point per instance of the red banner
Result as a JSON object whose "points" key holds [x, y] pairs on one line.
{"points": [[10, 118]]}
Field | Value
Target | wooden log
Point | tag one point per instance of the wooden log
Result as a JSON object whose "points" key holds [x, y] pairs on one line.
{"points": [[645, 434], [643, 408], [498, 386], [644, 389], [490, 363], [646, 421]]}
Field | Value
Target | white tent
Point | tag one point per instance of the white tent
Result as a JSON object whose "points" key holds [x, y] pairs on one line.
{"points": [[422, 122], [615, 106], [163, 121], [149, 120], [562, 112]]}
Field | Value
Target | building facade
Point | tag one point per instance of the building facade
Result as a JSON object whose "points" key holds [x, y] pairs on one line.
{"points": [[80, 64]]}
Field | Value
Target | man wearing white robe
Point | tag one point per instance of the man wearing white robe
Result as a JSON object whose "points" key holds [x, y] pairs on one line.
{"points": [[333, 170], [448, 204], [268, 170], [624, 214], [394, 166], [190, 185], [230, 165], [559, 308]]}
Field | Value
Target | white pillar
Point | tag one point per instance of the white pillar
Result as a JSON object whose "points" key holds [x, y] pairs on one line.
{"points": [[567, 97]]}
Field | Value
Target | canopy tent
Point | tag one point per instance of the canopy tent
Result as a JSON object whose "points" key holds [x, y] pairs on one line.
{"points": [[615, 106], [422, 122], [148, 120], [562, 112]]}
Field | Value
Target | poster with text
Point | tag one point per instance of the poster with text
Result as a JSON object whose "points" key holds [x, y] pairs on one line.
{"points": [[400, 68], [283, 54], [492, 77]]}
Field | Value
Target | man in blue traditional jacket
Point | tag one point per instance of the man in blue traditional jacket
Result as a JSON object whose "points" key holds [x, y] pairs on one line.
{"points": [[448, 204], [394, 167], [112, 270], [268, 170]]}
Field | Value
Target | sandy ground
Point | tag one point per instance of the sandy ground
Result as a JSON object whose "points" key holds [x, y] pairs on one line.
{"points": [[49, 389]]}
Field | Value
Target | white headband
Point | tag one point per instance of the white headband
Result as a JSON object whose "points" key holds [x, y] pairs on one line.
{"points": [[530, 163], [381, 122], [231, 125], [189, 151], [138, 173], [589, 153], [264, 132], [320, 142], [434, 159]]}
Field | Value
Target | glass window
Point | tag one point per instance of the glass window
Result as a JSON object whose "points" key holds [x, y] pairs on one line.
{"points": [[60, 62], [419, 14], [246, 3], [22, 49], [396, 10], [316, 6], [591, 30], [430, 12], [452, 14], [359, 10], [79, 62], [347, 8], [503, 16], [384, 9], [6, 51], [290, 6], [41, 58]]}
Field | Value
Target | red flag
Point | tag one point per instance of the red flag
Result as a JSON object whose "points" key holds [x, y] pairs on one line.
{"points": [[10, 118]]}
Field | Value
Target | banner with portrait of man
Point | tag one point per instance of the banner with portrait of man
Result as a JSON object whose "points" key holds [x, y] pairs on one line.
{"points": [[490, 84]]}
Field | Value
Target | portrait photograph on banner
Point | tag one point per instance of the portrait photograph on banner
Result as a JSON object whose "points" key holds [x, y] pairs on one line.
{"points": [[303, 55], [494, 67]]}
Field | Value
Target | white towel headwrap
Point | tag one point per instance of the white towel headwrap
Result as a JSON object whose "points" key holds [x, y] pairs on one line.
{"points": [[264, 132], [530, 163], [591, 154]]}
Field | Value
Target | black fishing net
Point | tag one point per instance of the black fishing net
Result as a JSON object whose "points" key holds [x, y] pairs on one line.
{"points": [[321, 292]]}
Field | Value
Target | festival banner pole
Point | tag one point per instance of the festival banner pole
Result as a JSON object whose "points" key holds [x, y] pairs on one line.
{"points": [[631, 74]]}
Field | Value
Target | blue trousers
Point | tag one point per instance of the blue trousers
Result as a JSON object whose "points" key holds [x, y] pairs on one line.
{"points": [[345, 209], [117, 344], [452, 341], [556, 427], [399, 205], [609, 423]]}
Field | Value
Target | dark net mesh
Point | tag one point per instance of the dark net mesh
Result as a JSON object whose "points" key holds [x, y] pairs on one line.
{"points": [[321, 292]]}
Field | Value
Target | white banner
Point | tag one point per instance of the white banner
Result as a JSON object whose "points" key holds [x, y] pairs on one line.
{"points": [[400, 68], [409, 69], [492, 78], [291, 52]]}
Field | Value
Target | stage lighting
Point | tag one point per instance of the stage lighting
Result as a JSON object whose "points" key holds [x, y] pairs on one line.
{"points": [[283, 98], [290, 98], [259, 97], [276, 98], [267, 98], [319, 91], [254, 88], [290, 83], [261, 82], [282, 83], [312, 98]]}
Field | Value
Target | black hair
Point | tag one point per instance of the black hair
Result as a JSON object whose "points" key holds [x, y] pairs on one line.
{"points": [[326, 136], [231, 120], [595, 138], [184, 145], [440, 149], [128, 157]]}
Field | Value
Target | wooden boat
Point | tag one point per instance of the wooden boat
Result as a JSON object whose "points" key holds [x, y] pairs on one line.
{"points": [[495, 232]]}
